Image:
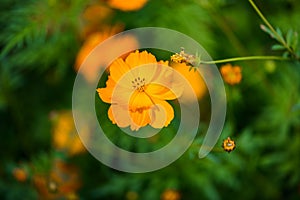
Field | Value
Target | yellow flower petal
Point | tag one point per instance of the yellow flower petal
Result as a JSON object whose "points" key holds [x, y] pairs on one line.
{"points": [[122, 96], [167, 84], [139, 118], [140, 58], [192, 77], [163, 74], [140, 100], [111, 115], [161, 114], [105, 94], [127, 5], [114, 93], [119, 115], [118, 69], [160, 92]]}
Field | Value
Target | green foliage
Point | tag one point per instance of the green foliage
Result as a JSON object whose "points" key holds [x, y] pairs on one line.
{"points": [[39, 43], [288, 44]]}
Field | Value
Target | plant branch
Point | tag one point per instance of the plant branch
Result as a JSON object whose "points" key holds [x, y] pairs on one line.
{"points": [[278, 37], [245, 58]]}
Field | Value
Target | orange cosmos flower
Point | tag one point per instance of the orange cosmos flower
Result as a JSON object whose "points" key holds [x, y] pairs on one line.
{"points": [[137, 89], [65, 137], [20, 174], [231, 74], [128, 5], [93, 18], [170, 194], [193, 77], [93, 40]]}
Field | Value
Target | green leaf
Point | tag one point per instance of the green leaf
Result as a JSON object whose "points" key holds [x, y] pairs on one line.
{"points": [[279, 32], [278, 47], [286, 54], [294, 42], [267, 30], [289, 37]]}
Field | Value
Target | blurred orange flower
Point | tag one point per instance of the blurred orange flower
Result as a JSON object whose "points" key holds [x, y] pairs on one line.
{"points": [[62, 182], [231, 74], [91, 66], [194, 78], [93, 18], [140, 98], [170, 194], [20, 174], [93, 40], [129, 5], [65, 137]]}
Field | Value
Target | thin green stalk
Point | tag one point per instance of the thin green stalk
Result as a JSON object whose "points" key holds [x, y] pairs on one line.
{"points": [[264, 19], [280, 39], [244, 58]]}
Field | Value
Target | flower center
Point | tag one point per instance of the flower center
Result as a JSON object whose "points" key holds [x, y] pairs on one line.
{"points": [[138, 84]]}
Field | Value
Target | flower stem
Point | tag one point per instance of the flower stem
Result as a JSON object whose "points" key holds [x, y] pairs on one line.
{"points": [[278, 37], [244, 58], [265, 20]]}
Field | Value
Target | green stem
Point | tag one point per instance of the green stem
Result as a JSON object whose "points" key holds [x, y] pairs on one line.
{"points": [[245, 58], [278, 37], [265, 20]]}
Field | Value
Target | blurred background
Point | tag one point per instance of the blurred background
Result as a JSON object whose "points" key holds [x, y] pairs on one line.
{"points": [[43, 43]]}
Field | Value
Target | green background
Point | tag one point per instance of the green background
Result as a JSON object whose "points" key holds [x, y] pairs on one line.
{"points": [[39, 41]]}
